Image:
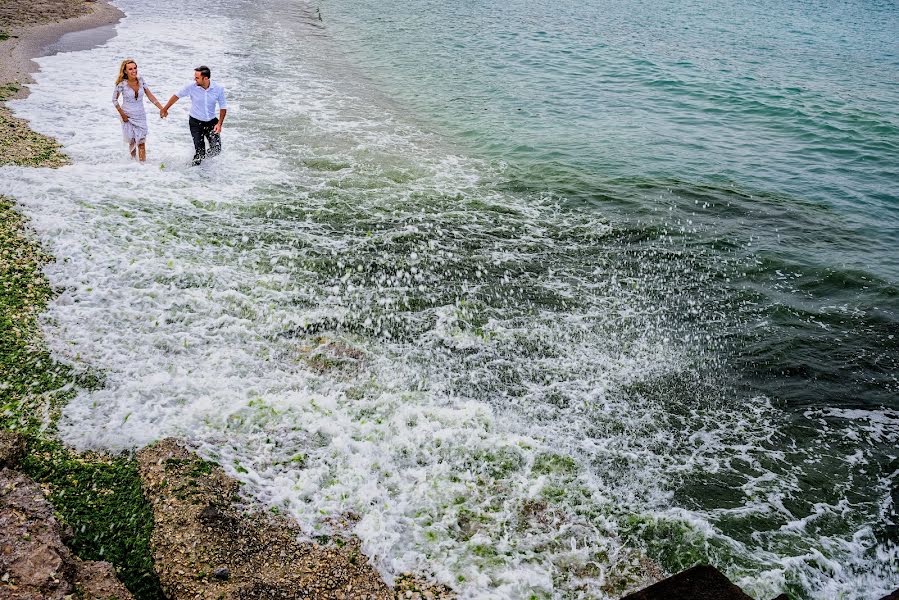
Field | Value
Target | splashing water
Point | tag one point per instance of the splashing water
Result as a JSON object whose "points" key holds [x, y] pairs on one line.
{"points": [[514, 395]]}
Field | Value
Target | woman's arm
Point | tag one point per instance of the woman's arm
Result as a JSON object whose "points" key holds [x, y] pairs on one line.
{"points": [[115, 102], [164, 111], [152, 98]]}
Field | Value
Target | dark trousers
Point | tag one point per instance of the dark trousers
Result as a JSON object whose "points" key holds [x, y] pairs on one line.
{"points": [[202, 132]]}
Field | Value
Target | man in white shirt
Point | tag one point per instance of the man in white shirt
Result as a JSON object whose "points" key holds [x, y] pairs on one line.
{"points": [[204, 125]]}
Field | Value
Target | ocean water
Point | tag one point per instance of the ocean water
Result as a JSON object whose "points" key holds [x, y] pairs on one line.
{"points": [[546, 297]]}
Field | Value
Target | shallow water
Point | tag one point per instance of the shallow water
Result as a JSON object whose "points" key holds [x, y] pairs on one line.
{"points": [[651, 316]]}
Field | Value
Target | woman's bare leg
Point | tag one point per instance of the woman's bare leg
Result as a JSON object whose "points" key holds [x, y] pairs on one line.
{"points": [[142, 151], [132, 148]]}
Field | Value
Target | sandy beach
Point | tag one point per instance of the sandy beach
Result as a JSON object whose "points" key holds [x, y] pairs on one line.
{"points": [[30, 29]]}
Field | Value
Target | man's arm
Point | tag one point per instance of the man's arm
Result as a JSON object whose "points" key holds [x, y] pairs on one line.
{"points": [[164, 111], [218, 126], [223, 109]]}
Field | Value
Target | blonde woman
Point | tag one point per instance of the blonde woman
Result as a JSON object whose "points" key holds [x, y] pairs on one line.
{"points": [[132, 88]]}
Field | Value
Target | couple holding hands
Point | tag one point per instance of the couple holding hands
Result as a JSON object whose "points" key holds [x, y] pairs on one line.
{"points": [[204, 94]]}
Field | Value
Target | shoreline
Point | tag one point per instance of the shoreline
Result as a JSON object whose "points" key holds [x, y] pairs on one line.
{"points": [[31, 31], [27, 41], [44, 556]]}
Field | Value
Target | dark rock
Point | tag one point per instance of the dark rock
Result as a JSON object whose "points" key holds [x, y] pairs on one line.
{"points": [[34, 558], [222, 574], [702, 582], [212, 516], [893, 596], [12, 449]]}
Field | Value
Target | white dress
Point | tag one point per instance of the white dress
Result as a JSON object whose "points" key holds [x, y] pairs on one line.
{"points": [[135, 129]]}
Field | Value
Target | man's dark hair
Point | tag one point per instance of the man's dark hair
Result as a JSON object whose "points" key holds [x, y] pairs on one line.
{"points": [[204, 71]]}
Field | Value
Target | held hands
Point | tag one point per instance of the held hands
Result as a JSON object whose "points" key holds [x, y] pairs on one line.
{"points": [[163, 113]]}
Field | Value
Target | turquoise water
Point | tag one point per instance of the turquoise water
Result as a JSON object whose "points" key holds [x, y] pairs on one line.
{"points": [[544, 299], [793, 103], [768, 130], [763, 137]]}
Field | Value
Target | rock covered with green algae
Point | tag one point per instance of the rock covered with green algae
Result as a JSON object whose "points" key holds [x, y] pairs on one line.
{"points": [[101, 499], [98, 498], [21, 146], [32, 385], [35, 562]]}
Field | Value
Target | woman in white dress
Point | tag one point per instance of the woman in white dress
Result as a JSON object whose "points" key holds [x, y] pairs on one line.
{"points": [[132, 88]]}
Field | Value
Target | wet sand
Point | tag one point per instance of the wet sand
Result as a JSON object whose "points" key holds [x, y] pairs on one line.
{"points": [[33, 28], [36, 28]]}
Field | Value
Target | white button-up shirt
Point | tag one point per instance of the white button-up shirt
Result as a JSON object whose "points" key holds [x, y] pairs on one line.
{"points": [[202, 102]]}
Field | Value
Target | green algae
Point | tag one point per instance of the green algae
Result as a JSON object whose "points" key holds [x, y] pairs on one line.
{"points": [[10, 89], [99, 497], [102, 500], [546, 464], [34, 387], [21, 146]]}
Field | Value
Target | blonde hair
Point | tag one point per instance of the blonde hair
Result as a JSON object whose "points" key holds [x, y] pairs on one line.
{"points": [[122, 75]]}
